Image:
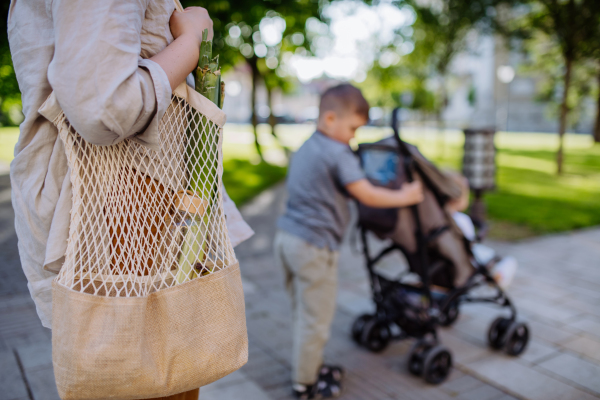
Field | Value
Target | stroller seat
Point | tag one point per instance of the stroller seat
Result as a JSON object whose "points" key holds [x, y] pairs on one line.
{"points": [[437, 252]]}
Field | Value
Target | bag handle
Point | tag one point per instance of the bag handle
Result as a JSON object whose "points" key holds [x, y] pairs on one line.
{"points": [[178, 5]]}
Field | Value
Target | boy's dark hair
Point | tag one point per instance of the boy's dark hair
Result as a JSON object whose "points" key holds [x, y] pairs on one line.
{"points": [[342, 99]]}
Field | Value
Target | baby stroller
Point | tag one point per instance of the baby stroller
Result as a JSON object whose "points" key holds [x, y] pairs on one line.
{"points": [[437, 253]]}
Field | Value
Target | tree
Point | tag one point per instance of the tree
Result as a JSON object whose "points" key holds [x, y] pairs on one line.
{"points": [[544, 63], [10, 97], [272, 82], [592, 54], [392, 78], [596, 132], [441, 32], [571, 25], [239, 27]]}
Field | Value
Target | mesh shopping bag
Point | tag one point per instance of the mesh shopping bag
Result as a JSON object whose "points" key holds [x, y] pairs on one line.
{"points": [[149, 301]]}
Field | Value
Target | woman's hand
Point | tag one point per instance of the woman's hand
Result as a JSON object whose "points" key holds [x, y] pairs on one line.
{"points": [[192, 21], [181, 57]]}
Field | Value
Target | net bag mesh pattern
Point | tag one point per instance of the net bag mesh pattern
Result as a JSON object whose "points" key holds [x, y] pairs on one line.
{"points": [[149, 301], [146, 220]]}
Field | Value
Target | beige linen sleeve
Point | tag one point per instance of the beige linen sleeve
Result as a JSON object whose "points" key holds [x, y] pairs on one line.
{"points": [[106, 90], [239, 230]]}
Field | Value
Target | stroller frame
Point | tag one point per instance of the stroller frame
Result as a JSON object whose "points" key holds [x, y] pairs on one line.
{"points": [[428, 358]]}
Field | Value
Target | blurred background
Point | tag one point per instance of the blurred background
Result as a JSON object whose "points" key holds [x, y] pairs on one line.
{"points": [[526, 70]]}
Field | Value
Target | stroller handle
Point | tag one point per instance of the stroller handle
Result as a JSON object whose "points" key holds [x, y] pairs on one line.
{"points": [[401, 145], [408, 169], [396, 127]]}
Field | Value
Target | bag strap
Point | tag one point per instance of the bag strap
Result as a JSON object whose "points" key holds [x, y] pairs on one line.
{"points": [[178, 5]]}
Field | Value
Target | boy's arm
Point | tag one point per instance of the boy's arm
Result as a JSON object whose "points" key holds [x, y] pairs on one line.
{"points": [[378, 197]]}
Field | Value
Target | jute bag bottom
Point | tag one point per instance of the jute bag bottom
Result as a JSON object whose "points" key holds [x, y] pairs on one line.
{"points": [[171, 341]]}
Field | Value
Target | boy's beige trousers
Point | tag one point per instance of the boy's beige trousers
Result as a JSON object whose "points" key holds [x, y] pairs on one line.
{"points": [[311, 282]]}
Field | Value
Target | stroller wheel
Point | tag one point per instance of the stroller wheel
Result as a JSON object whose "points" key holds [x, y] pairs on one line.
{"points": [[497, 331], [437, 365], [359, 325], [516, 338], [376, 335], [450, 315], [417, 356]]}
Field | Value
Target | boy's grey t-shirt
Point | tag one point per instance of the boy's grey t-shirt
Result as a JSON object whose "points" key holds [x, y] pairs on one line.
{"points": [[317, 210]]}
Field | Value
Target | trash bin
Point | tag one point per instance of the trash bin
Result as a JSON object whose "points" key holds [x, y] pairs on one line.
{"points": [[479, 167]]}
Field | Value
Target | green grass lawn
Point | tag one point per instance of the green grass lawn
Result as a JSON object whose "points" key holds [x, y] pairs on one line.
{"points": [[245, 180], [8, 139], [530, 199]]}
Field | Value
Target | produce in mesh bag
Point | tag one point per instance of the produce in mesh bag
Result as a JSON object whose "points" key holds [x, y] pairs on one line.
{"points": [[195, 204]]}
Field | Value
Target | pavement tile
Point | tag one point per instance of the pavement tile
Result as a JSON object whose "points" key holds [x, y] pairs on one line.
{"points": [[231, 379], [463, 349], [42, 383], [557, 312], [484, 392], [18, 301], [36, 356], [549, 333], [506, 397], [463, 384], [474, 328], [246, 390], [272, 375], [280, 393], [537, 351], [585, 345], [589, 325], [510, 375], [11, 380], [586, 305], [355, 304], [578, 370]]}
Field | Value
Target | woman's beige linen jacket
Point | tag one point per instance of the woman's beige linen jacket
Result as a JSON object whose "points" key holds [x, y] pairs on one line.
{"points": [[94, 55]]}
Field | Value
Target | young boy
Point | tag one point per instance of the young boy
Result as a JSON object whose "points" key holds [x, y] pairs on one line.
{"points": [[323, 174]]}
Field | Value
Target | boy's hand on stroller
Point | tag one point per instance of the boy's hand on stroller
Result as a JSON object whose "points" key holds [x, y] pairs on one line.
{"points": [[192, 21], [379, 197], [413, 192]]}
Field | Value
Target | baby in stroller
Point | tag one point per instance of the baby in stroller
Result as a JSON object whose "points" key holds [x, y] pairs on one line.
{"points": [[447, 261], [502, 268]]}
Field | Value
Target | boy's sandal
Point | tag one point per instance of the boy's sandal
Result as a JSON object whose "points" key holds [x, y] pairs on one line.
{"points": [[328, 385], [331, 373], [327, 389]]}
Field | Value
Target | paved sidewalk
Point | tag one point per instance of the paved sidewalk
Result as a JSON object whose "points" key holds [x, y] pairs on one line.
{"points": [[557, 290]]}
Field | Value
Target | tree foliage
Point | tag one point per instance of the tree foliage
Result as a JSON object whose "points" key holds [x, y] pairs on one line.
{"points": [[10, 97], [572, 27], [442, 29], [239, 27]]}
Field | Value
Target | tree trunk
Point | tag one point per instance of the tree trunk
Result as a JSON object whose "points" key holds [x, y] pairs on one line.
{"points": [[597, 125], [441, 126], [254, 118], [273, 121], [564, 113]]}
